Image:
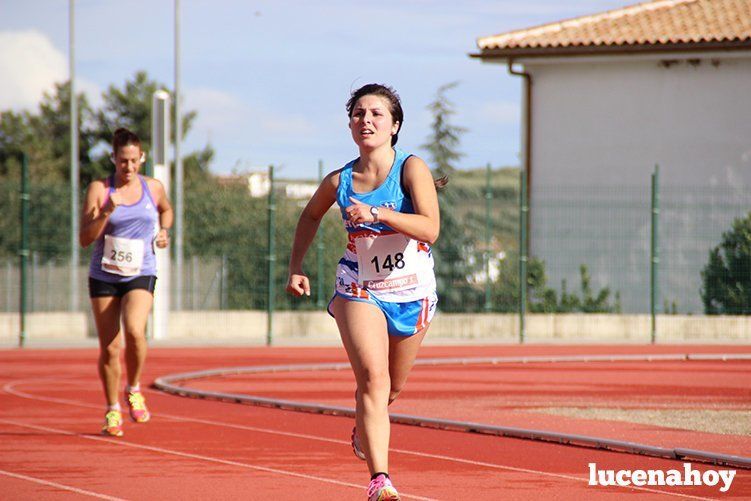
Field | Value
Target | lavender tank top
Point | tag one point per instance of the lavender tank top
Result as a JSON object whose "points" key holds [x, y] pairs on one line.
{"points": [[135, 221]]}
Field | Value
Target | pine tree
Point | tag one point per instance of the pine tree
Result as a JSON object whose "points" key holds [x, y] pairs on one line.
{"points": [[444, 140], [726, 278], [453, 248]]}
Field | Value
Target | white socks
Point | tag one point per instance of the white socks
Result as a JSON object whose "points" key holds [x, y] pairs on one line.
{"points": [[128, 389]]}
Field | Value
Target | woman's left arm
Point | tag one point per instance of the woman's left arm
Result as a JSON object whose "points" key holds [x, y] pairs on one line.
{"points": [[425, 224], [166, 215]]}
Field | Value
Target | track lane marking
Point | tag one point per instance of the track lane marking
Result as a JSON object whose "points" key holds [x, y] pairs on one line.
{"points": [[188, 455], [10, 388], [59, 486]]}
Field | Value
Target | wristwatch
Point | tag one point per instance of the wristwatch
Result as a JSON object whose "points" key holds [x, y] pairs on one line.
{"points": [[374, 212]]}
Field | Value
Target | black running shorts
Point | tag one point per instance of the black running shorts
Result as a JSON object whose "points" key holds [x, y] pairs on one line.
{"points": [[100, 288]]}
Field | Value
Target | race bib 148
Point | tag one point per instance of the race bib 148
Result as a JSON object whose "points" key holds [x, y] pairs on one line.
{"points": [[387, 262]]}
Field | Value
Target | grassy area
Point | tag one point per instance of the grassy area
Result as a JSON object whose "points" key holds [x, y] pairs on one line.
{"points": [[466, 193], [501, 179]]}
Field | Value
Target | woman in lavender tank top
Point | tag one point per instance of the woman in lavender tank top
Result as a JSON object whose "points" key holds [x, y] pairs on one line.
{"points": [[125, 215]]}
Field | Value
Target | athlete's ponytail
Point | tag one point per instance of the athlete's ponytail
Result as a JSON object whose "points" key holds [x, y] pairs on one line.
{"points": [[441, 182]]}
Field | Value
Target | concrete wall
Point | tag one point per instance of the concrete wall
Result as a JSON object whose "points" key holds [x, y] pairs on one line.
{"points": [[599, 126], [318, 327], [53, 326]]}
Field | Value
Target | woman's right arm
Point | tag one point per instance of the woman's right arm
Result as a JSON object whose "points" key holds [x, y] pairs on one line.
{"points": [[307, 227], [94, 218]]}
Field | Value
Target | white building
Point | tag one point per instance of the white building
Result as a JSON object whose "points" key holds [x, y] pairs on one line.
{"points": [[607, 97], [259, 185]]}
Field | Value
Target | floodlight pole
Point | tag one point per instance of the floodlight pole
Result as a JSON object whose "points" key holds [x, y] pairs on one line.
{"points": [[179, 207], [74, 169], [160, 136]]}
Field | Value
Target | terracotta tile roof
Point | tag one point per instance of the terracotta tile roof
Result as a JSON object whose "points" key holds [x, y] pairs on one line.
{"points": [[657, 24]]}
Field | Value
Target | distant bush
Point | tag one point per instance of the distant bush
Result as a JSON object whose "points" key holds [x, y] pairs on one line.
{"points": [[726, 279]]}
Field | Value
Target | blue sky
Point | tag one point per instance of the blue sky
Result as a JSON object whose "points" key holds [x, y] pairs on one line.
{"points": [[269, 79]]}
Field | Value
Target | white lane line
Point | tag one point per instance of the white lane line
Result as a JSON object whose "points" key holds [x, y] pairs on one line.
{"points": [[59, 486], [418, 454], [10, 388], [160, 450]]}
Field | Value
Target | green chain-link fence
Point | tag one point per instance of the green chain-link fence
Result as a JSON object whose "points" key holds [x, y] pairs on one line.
{"points": [[589, 249]]}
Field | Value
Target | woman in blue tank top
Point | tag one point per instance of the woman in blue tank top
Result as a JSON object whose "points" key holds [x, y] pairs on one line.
{"points": [[125, 215], [385, 287]]}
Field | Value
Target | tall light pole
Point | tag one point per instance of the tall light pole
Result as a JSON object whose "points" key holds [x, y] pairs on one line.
{"points": [[160, 137], [178, 304], [73, 162]]}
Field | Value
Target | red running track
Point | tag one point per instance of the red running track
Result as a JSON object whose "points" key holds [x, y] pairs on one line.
{"points": [[51, 411]]}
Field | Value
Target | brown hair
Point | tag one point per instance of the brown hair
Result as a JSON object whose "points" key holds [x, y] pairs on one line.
{"points": [[124, 137], [441, 182]]}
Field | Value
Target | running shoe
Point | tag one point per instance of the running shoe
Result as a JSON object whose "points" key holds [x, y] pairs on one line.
{"points": [[356, 447], [137, 406], [380, 489], [113, 424]]}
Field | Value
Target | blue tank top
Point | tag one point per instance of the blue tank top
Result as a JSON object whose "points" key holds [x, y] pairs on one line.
{"points": [[137, 221], [389, 194]]}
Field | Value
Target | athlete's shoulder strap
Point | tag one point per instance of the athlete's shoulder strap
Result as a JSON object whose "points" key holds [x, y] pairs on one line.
{"points": [[401, 175]]}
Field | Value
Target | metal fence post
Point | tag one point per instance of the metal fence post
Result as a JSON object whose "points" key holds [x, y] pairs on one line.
{"points": [[486, 254], [8, 284], [654, 251], [32, 282], [523, 213], [194, 282], [271, 261], [47, 284], [223, 283], [24, 251], [319, 253]]}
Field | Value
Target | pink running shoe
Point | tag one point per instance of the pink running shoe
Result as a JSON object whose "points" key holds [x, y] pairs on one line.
{"points": [[356, 447], [380, 489], [137, 406], [113, 424]]}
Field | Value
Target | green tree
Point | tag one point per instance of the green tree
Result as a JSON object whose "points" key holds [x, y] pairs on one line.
{"points": [[726, 279], [130, 107], [224, 221], [453, 251], [570, 302], [543, 299], [196, 166], [444, 139], [505, 290], [45, 137]]}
